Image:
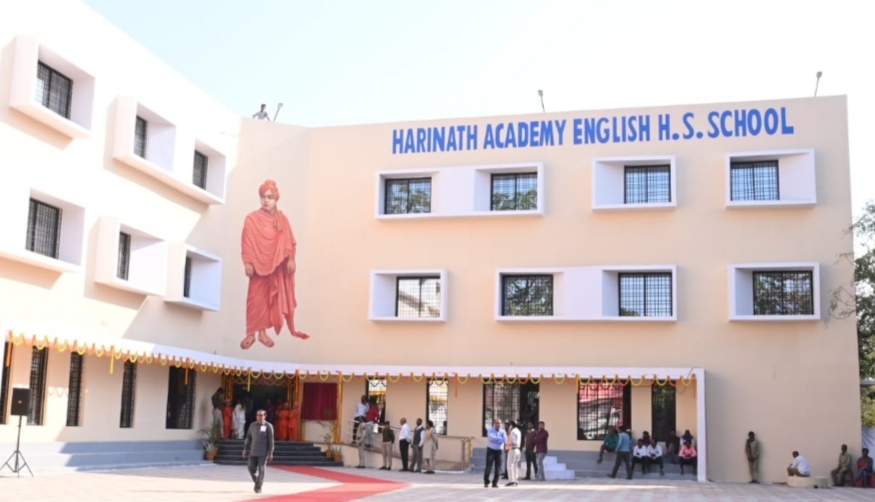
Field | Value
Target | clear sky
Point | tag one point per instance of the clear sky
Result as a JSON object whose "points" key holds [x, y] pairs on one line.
{"points": [[348, 62]]}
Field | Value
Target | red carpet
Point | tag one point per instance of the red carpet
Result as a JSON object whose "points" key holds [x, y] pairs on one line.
{"points": [[354, 487]]}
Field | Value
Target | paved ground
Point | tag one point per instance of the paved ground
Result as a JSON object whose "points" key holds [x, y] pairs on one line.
{"points": [[230, 483]]}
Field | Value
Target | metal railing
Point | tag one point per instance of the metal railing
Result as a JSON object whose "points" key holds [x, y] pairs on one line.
{"points": [[454, 452]]}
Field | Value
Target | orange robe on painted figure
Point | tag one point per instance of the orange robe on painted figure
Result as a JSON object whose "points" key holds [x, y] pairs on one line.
{"points": [[282, 424], [227, 418], [294, 415], [269, 247]]}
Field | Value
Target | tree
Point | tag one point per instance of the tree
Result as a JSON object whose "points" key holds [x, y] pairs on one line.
{"points": [[859, 299]]}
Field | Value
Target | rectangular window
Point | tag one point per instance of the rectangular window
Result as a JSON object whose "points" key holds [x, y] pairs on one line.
{"points": [[39, 363], [514, 192], [600, 405], [124, 255], [375, 389], [783, 293], [74, 389], [186, 285], [43, 229], [140, 137], [501, 400], [527, 295], [754, 180], [418, 297], [645, 294], [180, 398], [408, 196], [4, 384], [647, 184], [663, 414], [54, 90], [436, 397], [199, 175], [129, 384]]}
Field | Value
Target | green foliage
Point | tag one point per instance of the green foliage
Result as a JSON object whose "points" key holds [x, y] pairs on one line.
{"points": [[859, 299], [516, 201], [212, 435], [867, 407]]}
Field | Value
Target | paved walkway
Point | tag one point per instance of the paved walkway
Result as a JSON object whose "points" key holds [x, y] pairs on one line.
{"points": [[218, 483]]}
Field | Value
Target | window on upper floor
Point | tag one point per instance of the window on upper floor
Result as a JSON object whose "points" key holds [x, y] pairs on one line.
{"points": [[514, 191], [527, 295], [646, 184], [418, 296], [751, 181], [43, 229], [186, 284], [645, 294], [199, 173], [784, 292], [124, 256], [409, 195], [140, 133], [54, 90]]}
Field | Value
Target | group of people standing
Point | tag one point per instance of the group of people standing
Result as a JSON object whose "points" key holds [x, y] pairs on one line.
{"points": [[232, 421], [504, 446]]}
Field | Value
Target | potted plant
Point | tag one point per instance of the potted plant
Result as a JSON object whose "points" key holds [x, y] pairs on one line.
{"points": [[211, 437], [330, 427]]}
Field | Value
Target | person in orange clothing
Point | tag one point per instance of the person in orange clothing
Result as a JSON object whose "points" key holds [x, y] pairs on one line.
{"points": [[268, 246], [282, 423], [227, 417], [294, 418]]}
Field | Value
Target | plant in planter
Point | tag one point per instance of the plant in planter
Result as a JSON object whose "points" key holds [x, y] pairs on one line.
{"points": [[211, 437], [330, 427]]}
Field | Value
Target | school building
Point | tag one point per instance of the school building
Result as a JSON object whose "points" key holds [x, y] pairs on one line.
{"points": [[664, 268]]}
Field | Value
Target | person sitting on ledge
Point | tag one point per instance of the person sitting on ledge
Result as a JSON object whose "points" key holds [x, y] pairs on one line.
{"points": [[688, 456], [864, 468], [609, 444], [799, 467]]}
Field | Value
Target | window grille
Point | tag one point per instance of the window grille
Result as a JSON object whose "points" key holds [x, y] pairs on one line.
{"points": [[129, 382], [39, 363], [199, 175], [43, 229], [140, 131], [54, 90], [186, 285], [601, 405], [645, 294], [408, 196], [514, 192], [180, 398], [663, 414], [647, 184], [418, 297], [437, 399], [754, 180], [527, 295], [783, 293], [4, 380], [124, 255], [375, 389], [501, 400], [74, 389]]}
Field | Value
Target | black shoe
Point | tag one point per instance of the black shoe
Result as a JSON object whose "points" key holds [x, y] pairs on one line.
{"points": [[612, 476], [527, 478], [495, 485]]}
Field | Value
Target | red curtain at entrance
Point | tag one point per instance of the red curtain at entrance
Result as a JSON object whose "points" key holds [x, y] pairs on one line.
{"points": [[320, 401]]}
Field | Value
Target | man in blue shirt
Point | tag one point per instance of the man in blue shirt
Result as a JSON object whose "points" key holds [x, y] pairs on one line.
{"points": [[496, 439], [624, 446]]}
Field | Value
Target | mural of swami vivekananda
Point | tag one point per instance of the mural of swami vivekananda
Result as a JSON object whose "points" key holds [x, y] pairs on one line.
{"points": [[269, 259]]}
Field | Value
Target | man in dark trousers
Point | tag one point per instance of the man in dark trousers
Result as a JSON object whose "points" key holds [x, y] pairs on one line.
{"points": [[497, 438], [418, 432], [259, 444], [529, 444]]}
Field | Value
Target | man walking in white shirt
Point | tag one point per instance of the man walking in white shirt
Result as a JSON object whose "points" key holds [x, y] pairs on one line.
{"points": [[404, 443], [361, 411], [799, 467], [514, 442]]}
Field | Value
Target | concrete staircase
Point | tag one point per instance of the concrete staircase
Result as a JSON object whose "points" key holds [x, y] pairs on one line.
{"points": [[285, 453], [567, 464], [45, 458]]}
